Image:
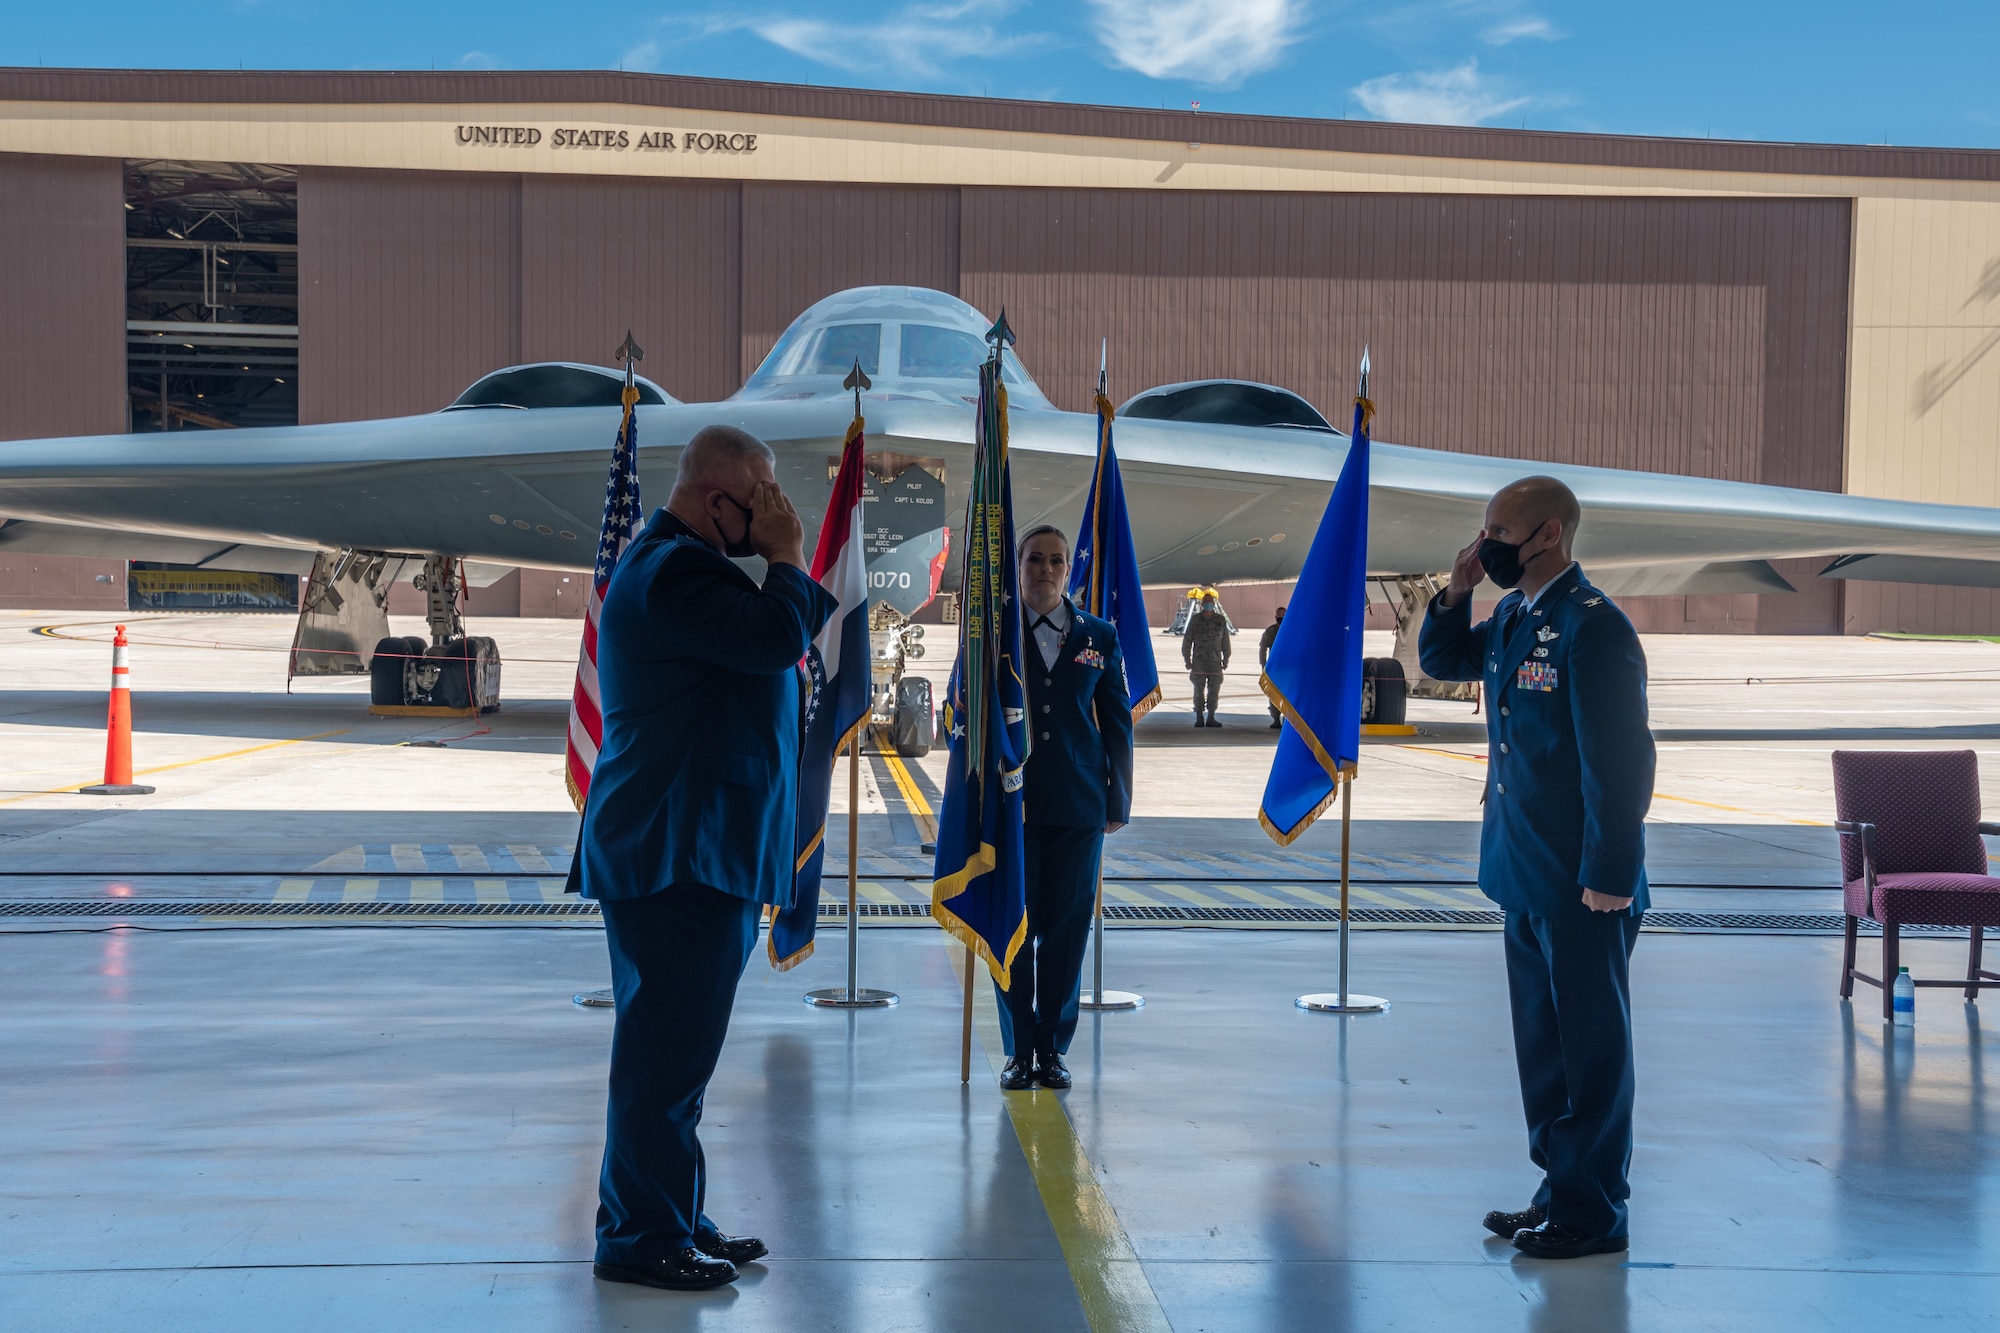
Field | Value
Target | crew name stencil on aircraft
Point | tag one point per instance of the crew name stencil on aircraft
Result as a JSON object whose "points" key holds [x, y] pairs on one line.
{"points": [[656, 141]]}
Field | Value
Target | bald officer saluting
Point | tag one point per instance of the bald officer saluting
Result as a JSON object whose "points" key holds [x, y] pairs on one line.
{"points": [[688, 830], [1569, 778]]}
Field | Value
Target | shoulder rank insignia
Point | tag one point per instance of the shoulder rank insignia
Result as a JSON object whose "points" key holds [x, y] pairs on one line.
{"points": [[1547, 635], [1090, 657]]}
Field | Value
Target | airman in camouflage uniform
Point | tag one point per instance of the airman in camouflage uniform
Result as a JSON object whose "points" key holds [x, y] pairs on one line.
{"points": [[1205, 649]]}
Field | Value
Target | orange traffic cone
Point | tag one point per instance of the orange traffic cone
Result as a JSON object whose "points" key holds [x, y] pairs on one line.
{"points": [[118, 734]]}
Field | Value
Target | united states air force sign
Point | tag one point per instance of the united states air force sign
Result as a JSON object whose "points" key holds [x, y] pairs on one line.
{"points": [[601, 140]]}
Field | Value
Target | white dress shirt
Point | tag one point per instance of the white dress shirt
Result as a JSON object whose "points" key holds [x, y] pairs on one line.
{"points": [[1049, 631]]}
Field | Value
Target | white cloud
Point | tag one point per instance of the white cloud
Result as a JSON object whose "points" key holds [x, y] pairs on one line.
{"points": [[1457, 96], [1207, 41], [478, 60], [918, 39], [1518, 29]]}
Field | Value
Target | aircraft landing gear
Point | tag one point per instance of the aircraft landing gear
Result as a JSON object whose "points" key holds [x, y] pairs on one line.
{"points": [[453, 673]]}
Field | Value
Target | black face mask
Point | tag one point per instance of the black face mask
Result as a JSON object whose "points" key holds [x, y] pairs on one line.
{"points": [[1501, 561], [738, 550]]}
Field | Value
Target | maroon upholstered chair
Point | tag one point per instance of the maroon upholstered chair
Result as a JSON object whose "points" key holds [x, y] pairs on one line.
{"points": [[1911, 855]]}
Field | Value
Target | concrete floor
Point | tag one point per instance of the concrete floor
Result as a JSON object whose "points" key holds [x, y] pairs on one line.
{"points": [[398, 1128], [283, 1122]]}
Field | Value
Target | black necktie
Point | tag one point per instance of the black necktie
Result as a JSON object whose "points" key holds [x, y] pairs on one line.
{"points": [[1041, 621]]}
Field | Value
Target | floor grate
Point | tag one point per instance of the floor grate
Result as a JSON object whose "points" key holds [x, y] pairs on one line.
{"points": [[1791, 923]]}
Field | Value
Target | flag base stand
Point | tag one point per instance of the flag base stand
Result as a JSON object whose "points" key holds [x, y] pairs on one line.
{"points": [[594, 999], [839, 997], [1331, 1002], [1111, 999]]}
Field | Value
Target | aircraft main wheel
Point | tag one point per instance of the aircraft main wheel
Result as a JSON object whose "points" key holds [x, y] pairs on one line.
{"points": [[388, 670], [456, 674], [913, 730], [1385, 692], [485, 655]]}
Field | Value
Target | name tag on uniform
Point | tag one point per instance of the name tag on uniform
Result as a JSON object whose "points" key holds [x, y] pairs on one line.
{"points": [[1536, 676], [1090, 657]]}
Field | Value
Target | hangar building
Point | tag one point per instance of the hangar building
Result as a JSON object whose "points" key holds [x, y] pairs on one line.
{"points": [[367, 244]]}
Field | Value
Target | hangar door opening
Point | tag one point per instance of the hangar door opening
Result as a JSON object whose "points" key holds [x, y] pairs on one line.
{"points": [[211, 295]]}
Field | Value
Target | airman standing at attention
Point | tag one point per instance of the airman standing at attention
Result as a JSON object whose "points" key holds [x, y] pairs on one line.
{"points": [[1205, 649], [1264, 656]]}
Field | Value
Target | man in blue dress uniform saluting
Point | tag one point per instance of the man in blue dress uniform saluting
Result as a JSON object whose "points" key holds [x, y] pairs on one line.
{"points": [[1076, 788], [1562, 848], [689, 828]]}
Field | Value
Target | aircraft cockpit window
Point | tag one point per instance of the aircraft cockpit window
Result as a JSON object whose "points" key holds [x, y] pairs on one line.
{"points": [[553, 386], [834, 350], [932, 353]]}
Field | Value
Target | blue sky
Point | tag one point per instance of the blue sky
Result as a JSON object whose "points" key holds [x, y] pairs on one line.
{"points": [[1830, 72]]}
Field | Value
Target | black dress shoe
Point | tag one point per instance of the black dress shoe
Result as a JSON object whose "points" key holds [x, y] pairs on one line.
{"points": [[1508, 1225], [1553, 1240], [1050, 1071], [736, 1249], [1198, 722], [686, 1269], [1275, 725], [1214, 722], [1019, 1074]]}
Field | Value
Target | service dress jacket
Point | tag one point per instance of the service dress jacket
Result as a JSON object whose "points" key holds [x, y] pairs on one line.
{"points": [[697, 778], [1570, 760], [1079, 769]]}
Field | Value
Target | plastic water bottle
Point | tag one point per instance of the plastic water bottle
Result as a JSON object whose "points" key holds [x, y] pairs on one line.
{"points": [[1904, 1003]]}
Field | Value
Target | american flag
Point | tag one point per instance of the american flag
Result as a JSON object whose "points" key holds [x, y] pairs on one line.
{"points": [[622, 517]]}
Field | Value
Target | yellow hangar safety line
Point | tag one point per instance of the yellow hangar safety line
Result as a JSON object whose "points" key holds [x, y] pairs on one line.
{"points": [[1658, 795], [1110, 1283], [184, 763], [912, 796]]}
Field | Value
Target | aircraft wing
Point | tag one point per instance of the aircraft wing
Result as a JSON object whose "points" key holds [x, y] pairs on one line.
{"points": [[1210, 503]]}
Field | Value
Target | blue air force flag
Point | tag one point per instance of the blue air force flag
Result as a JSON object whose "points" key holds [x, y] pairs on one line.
{"points": [[837, 707], [980, 893], [1104, 576], [1313, 675]]}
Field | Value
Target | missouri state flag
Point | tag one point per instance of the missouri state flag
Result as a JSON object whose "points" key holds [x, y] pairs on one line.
{"points": [[838, 702]]}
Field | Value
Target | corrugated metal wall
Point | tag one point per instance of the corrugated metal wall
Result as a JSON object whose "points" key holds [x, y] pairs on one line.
{"points": [[603, 254], [62, 341], [1675, 335], [409, 289], [803, 242]]}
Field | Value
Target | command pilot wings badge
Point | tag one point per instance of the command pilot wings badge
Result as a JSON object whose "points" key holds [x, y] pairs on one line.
{"points": [[1546, 635]]}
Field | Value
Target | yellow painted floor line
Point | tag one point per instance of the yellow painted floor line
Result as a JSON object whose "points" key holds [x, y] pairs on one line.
{"points": [[184, 763], [1124, 895], [553, 893], [408, 856], [426, 890], [913, 796], [1251, 896], [1110, 1283], [491, 890], [1433, 896], [360, 890], [469, 857], [293, 891], [530, 859], [874, 892], [1187, 895]]}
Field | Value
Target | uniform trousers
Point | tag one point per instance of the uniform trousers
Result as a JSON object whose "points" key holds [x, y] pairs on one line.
{"points": [[1207, 689], [1568, 980], [675, 960], [1038, 1011]]}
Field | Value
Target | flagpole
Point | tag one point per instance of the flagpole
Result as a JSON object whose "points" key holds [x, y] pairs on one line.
{"points": [[965, 1023], [1343, 1001], [854, 996], [1097, 998]]}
